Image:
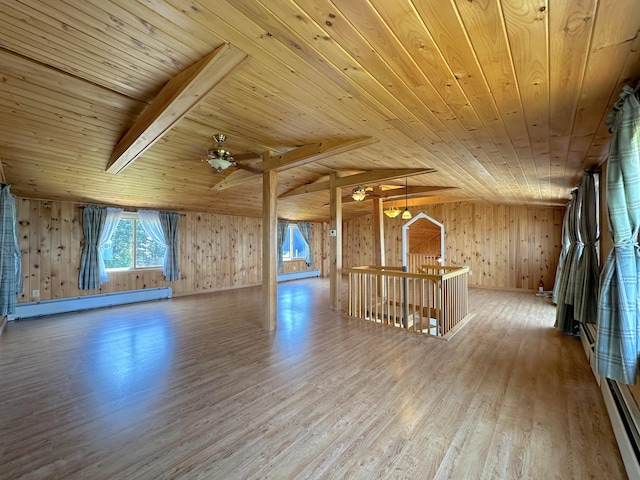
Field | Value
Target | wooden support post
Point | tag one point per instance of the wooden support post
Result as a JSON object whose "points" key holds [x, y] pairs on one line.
{"points": [[335, 242], [378, 242], [269, 257], [378, 232]]}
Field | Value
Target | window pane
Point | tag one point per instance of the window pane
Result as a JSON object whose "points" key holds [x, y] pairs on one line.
{"points": [[286, 246], [149, 253], [118, 252], [299, 245]]}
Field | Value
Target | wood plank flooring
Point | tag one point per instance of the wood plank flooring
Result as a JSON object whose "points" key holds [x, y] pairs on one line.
{"points": [[193, 388]]}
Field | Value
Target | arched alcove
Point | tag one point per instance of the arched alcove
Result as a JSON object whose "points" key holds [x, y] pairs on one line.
{"points": [[424, 236]]}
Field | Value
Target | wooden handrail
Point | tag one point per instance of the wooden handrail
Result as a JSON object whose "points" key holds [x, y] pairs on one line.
{"points": [[429, 303], [397, 271]]}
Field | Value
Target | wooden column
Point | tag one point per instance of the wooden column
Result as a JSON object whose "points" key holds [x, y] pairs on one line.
{"points": [[269, 257], [378, 232], [335, 242]]}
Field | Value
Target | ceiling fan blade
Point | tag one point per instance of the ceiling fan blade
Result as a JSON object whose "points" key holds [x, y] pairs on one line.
{"points": [[247, 156], [250, 168]]}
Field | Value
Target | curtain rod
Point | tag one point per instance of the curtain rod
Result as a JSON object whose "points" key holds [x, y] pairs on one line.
{"points": [[128, 209], [82, 204]]}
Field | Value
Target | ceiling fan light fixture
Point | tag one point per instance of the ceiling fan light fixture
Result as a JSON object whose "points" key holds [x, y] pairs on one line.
{"points": [[358, 194], [219, 164], [219, 158]]}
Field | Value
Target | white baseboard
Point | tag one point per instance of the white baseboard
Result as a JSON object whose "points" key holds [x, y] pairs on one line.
{"points": [[64, 305]]}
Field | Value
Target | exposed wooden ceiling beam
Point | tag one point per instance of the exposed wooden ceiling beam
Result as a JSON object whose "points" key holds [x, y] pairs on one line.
{"points": [[358, 179], [176, 99], [313, 152], [440, 199], [295, 158], [411, 191]]}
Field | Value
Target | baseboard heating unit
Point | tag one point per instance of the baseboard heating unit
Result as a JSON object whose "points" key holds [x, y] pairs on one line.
{"points": [[284, 277], [624, 416], [622, 408], [74, 304]]}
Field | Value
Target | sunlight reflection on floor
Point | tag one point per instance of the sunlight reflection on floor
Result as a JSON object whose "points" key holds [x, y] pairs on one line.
{"points": [[294, 309], [126, 368]]}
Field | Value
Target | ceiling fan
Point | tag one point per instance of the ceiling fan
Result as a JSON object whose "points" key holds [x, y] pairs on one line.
{"points": [[220, 158], [360, 193], [390, 192]]}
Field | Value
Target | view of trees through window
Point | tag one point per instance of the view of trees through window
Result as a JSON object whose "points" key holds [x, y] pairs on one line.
{"points": [[119, 252], [294, 245]]}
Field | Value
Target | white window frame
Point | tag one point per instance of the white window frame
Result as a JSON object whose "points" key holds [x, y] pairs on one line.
{"points": [[132, 216], [291, 228]]}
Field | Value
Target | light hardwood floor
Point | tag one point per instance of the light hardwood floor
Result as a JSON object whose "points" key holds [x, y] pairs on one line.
{"points": [[193, 388]]}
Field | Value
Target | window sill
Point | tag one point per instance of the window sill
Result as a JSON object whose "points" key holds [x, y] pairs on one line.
{"points": [[125, 270]]}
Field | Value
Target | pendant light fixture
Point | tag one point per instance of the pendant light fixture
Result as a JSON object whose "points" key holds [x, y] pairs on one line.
{"points": [[406, 215], [392, 212]]}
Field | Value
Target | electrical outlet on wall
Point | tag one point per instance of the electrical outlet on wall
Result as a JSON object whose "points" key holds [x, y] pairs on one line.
{"points": [[35, 293]]}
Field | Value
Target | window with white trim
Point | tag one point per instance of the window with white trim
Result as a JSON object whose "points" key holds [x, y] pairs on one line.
{"points": [[130, 247], [294, 247]]}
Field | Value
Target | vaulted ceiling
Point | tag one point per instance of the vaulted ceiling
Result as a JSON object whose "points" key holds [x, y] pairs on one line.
{"points": [[505, 99]]}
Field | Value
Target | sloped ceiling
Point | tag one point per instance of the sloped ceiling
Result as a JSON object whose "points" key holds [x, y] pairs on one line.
{"points": [[505, 99]]}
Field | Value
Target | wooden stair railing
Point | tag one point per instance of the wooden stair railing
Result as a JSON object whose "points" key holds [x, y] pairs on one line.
{"points": [[432, 302]]}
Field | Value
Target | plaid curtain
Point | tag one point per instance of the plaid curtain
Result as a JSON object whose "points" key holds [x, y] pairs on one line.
{"points": [[305, 231], [563, 253], [619, 302], [169, 223], [567, 289], [93, 219], [98, 224], [281, 234], [585, 307], [10, 256]]}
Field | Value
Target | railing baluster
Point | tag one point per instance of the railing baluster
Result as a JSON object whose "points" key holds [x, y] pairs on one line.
{"points": [[368, 296], [391, 296], [421, 315], [375, 294]]}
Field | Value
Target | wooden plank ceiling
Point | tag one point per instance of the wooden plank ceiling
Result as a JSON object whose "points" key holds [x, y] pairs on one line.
{"points": [[506, 100]]}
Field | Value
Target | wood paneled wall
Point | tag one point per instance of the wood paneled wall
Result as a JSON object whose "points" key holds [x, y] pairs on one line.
{"points": [[505, 246], [216, 252]]}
